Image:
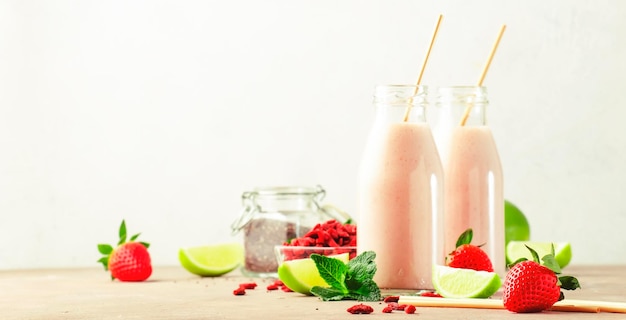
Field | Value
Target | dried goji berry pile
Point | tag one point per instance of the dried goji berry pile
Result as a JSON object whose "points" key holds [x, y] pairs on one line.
{"points": [[331, 233]]}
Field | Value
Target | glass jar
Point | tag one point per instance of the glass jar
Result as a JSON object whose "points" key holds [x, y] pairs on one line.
{"points": [[272, 216], [472, 169], [401, 191]]}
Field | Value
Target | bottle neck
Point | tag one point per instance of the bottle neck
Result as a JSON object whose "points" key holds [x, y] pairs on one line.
{"points": [[466, 106], [400, 103]]}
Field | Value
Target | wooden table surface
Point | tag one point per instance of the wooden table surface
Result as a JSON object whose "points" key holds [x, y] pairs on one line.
{"points": [[173, 293]]}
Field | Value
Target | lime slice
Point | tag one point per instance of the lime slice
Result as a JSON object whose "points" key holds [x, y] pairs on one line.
{"points": [[211, 260], [465, 283], [517, 249], [301, 275], [516, 227]]}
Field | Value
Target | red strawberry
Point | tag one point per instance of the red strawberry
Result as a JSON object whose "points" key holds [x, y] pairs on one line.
{"points": [[532, 287], [468, 256], [130, 261]]}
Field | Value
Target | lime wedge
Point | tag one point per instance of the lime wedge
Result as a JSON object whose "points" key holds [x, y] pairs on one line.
{"points": [[301, 275], [211, 260], [465, 283], [517, 249], [516, 227]]}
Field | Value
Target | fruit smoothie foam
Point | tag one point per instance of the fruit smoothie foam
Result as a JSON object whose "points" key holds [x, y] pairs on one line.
{"points": [[400, 200]]}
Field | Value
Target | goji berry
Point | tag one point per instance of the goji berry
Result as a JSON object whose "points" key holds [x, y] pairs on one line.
{"points": [[360, 309], [272, 287], [239, 291], [430, 294], [391, 299], [393, 305], [410, 309], [331, 233], [248, 285], [286, 289], [388, 309], [401, 307]]}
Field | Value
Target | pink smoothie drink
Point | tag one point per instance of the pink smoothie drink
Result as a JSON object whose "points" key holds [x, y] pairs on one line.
{"points": [[400, 204], [474, 192]]}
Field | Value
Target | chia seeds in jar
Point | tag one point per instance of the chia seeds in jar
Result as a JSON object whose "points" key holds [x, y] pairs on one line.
{"points": [[272, 216]]}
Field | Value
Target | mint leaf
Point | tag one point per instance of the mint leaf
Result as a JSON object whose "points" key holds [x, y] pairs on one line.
{"points": [[353, 280], [368, 291], [332, 270], [327, 294], [362, 266]]}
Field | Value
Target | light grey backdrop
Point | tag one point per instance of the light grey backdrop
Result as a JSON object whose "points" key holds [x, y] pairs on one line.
{"points": [[164, 112]]}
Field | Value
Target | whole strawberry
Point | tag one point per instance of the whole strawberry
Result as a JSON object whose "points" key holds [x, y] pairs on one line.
{"points": [[130, 261], [532, 287], [468, 256]]}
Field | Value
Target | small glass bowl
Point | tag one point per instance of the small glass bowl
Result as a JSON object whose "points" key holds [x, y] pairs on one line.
{"points": [[286, 253]]}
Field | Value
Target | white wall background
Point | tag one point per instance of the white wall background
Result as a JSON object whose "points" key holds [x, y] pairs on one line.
{"points": [[164, 112]]}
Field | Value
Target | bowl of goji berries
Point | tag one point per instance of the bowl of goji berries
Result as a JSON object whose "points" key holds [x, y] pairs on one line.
{"points": [[327, 239]]}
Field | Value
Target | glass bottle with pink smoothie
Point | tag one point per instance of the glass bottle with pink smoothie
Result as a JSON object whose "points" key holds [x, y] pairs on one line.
{"points": [[401, 191], [472, 169]]}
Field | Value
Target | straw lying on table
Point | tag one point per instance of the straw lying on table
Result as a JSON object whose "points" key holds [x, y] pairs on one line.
{"points": [[569, 305]]}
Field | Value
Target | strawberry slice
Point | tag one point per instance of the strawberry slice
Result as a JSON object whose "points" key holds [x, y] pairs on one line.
{"points": [[130, 261]]}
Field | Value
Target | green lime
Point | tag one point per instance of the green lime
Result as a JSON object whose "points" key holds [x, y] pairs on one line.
{"points": [[516, 226], [465, 283], [517, 249], [211, 260], [301, 275]]}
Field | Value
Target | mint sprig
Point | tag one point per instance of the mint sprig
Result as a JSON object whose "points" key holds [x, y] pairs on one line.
{"points": [[351, 281]]}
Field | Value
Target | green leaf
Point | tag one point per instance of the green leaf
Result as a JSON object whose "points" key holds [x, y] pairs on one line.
{"points": [[569, 283], [332, 270], [517, 261], [145, 244], [362, 266], [349, 221], [105, 249], [550, 262], [105, 262], [368, 291], [327, 294], [134, 237], [122, 233], [353, 280], [465, 237], [534, 253]]}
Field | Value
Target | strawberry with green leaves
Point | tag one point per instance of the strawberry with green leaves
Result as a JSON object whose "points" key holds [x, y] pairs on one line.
{"points": [[469, 256], [532, 287], [130, 261]]}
